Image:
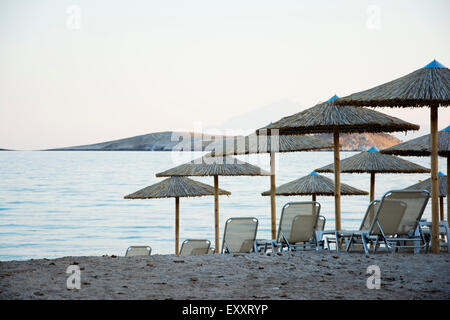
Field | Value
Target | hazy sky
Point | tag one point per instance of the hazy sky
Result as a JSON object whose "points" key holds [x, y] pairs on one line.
{"points": [[78, 72]]}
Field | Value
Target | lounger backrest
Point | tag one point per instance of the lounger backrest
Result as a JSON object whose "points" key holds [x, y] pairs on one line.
{"points": [[391, 218], [370, 215], [298, 221], [239, 234], [321, 223], [138, 251], [194, 246]]}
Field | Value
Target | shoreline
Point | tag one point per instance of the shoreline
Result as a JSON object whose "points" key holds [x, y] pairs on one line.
{"points": [[286, 276]]}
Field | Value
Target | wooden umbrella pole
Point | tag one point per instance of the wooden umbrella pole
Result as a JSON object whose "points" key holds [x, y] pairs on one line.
{"points": [[273, 208], [372, 186], [337, 180], [434, 180], [448, 192], [314, 197], [216, 212], [177, 224]]}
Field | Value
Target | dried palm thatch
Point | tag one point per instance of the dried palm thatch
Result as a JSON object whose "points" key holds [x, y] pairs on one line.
{"points": [[314, 184], [214, 166], [176, 187], [325, 117], [372, 161], [267, 144], [426, 86], [426, 185], [420, 147]]}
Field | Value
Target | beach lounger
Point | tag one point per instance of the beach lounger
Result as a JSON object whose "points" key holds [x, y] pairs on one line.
{"points": [[239, 235], [298, 223], [194, 246], [444, 232], [345, 235], [138, 251], [396, 222]]}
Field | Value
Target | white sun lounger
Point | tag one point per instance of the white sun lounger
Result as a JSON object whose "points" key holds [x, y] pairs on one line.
{"points": [[298, 223], [444, 232], [346, 234], [239, 235], [195, 246], [396, 222], [138, 251]]}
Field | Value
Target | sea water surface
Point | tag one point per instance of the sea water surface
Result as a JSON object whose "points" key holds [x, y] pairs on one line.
{"points": [[69, 203]]}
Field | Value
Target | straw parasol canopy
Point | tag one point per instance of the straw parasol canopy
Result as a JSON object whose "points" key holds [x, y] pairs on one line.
{"points": [[316, 185], [420, 147], [426, 185], [327, 117], [176, 187], [215, 166], [425, 87], [372, 161], [270, 144]]}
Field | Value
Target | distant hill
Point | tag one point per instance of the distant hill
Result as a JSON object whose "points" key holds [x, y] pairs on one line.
{"points": [[363, 141], [158, 141], [187, 141]]}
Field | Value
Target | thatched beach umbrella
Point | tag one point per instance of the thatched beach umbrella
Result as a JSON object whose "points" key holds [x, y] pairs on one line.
{"points": [[327, 117], [267, 144], [425, 87], [215, 166], [372, 161], [176, 187], [420, 147], [316, 185], [426, 185]]}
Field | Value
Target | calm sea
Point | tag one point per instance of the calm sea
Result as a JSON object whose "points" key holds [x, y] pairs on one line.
{"points": [[55, 204]]}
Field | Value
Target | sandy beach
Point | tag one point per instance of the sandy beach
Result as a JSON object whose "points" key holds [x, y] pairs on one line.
{"points": [[298, 275]]}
